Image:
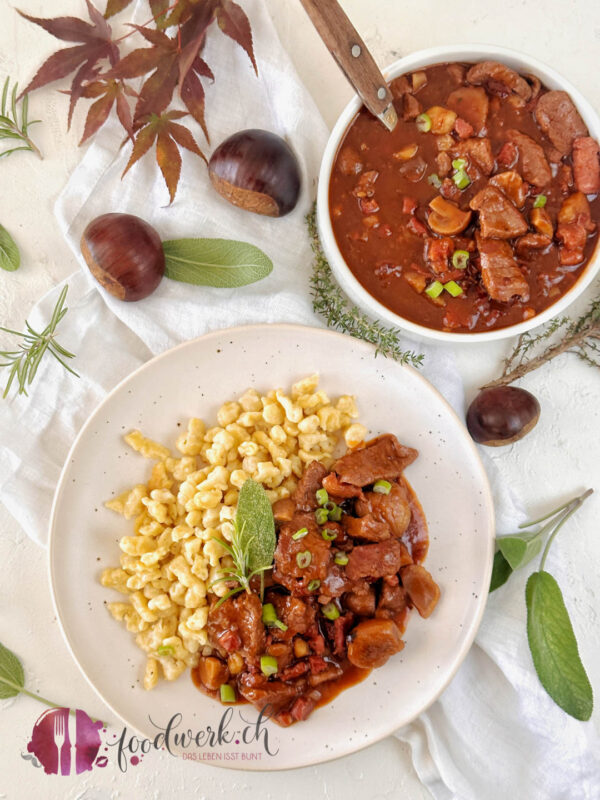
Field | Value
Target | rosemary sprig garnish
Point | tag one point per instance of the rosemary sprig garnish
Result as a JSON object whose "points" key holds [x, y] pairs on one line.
{"points": [[331, 304], [239, 550], [10, 127], [581, 336], [25, 360]]}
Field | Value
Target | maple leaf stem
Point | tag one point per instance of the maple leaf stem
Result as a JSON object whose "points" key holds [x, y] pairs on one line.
{"points": [[148, 22]]}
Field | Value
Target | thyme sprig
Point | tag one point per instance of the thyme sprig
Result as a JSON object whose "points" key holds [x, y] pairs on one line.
{"points": [[10, 126], [331, 304], [25, 360], [581, 336], [240, 573]]}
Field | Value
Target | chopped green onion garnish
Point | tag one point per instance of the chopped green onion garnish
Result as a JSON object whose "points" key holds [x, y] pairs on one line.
{"points": [[460, 259], [322, 496], [165, 650], [268, 665], [434, 180], [331, 611], [227, 693], [281, 625], [303, 559], [335, 514], [269, 615], [328, 534], [540, 201], [341, 559], [461, 179], [314, 585], [321, 515], [382, 487], [423, 122], [453, 288], [329, 505], [300, 534], [434, 289], [459, 163]]}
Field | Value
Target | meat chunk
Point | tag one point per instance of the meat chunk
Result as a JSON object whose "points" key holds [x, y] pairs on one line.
{"points": [[444, 164], [393, 602], [498, 218], [349, 162], [361, 601], [336, 582], [422, 590], [367, 528], [502, 278], [478, 152], [306, 490], [534, 166], [464, 130], [337, 632], [586, 166], [511, 183], [574, 224], [531, 242], [335, 487], [438, 251], [541, 221], [274, 694], [393, 509], [293, 612], [491, 73], [374, 560], [557, 116], [373, 642], [471, 103], [290, 555], [236, 625], [383, 457], [411, 108]]}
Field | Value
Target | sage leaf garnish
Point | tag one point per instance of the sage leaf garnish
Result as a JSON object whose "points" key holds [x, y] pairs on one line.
{"points": [[222, 263], [550, 633], [253, 542], [255, 520], [12, 677], [10, 258], [554, 647], [501, 571]]}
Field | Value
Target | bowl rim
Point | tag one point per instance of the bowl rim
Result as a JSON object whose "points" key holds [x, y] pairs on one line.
{"points": [[350, 284]]}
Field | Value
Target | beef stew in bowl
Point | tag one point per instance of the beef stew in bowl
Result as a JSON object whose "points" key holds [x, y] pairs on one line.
{"points": [[477, 214]]}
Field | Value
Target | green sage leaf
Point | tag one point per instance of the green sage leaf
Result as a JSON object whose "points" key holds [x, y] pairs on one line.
{"points": [[10, 258], [554, 647], [254, 520], [501, 571], [12, 678], [223, 263], [520, 550]]}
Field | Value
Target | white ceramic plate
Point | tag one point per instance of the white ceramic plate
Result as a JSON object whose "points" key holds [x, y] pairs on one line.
{"points": [[194, 379]]}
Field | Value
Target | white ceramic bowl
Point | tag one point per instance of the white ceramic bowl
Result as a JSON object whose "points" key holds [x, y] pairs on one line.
{"points": [[424, 58]]}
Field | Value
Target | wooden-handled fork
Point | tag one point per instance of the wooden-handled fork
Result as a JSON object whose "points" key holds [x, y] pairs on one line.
{"points": [[353, 57]]}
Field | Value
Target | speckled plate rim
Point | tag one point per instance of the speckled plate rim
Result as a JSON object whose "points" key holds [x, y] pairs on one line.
{"points": [[425, 58], [486, 498]]}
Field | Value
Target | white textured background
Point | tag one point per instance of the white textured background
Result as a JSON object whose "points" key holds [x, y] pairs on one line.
{"points": [[558, 459]]}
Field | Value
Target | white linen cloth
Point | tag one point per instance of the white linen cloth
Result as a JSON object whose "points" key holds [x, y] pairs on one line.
{"points": [[493, 733]]}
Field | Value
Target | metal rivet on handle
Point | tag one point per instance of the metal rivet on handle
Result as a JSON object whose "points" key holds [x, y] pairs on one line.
{"points": [[381, 93], [356, 50]]}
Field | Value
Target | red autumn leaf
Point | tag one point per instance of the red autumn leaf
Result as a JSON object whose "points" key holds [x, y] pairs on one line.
{"points": [[96, 46], [235, 24], [192, 94], [167, 134], [159, 10], [193, 35], [115, 7], [107, 92]]}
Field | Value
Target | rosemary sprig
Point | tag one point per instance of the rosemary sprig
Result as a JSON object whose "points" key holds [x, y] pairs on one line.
{"points": [[330, 303], [10, 127], [581, 336], [239, 550], [25, 360]]}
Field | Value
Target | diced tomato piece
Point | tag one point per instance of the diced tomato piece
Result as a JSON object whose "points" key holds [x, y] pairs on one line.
{"points": [[507, 155], [416, 226], [462, 128], [409, 205], [384, 231], [438, 253], [230, 641], [368, 205]]}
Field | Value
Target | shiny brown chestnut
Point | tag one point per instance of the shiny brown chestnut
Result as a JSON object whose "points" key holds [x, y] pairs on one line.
{"points": [[502, 415], [124, 254], [258, 171]]}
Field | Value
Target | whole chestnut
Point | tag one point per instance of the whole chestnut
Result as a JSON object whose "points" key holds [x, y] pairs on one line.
{"points": [[124, 254], [258, 171], [502, 415]]}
